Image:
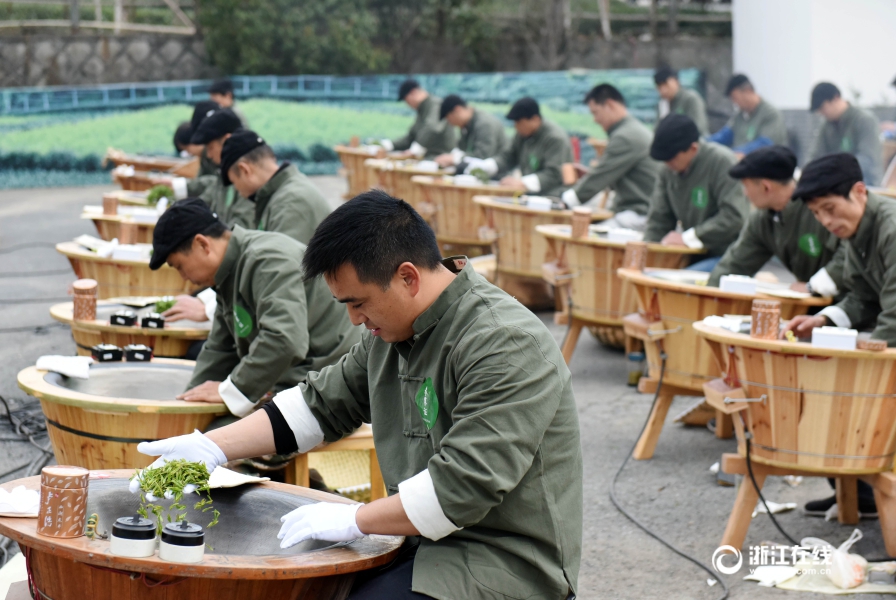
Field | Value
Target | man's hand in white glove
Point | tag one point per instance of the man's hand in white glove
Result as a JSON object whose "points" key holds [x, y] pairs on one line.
{"points": [[194, 447], [473, 163], [570, 198], [387, 145], [326, 521]]}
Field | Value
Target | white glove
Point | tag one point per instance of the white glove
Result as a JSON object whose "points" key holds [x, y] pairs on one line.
{"points": [[326, 521], [194, 447], [417, 150], [388, 145], [473, 163], [489, 165]]}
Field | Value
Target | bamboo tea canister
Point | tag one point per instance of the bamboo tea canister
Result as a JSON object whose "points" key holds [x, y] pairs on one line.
{"points": [[84, 300], [110, 205], [581, 220], [766, 319], [63, 501], [635, 256], [127, 232]]}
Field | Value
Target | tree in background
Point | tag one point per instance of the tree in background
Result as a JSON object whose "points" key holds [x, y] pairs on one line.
{"points": [[284, 37]]}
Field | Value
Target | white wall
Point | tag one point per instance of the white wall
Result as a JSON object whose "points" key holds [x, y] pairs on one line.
{"points": [[787, 46]]}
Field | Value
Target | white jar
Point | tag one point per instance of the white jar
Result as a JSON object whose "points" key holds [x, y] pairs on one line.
{"points": [[133, 537], [182, 543]]}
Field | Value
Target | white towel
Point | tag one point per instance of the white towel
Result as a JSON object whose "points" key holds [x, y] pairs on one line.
{"points": [[19, 501], [70, 366]]}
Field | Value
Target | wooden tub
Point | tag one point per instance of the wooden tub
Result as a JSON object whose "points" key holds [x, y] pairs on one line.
{"points": [[597, 297], [245, 564], [668, 306], [119, 278], [108, 227], [97, 423], [128, 197], [394, 178], [521, 252], [141, 181], [457, 220], [173, 341], [182, 167], [359, 176]]}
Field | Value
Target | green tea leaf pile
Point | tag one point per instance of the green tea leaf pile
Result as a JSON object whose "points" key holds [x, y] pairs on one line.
{"points": [[164, 303], [173, 477], [157, 193]]}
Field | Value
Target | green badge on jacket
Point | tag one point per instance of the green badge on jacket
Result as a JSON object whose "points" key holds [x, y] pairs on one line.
{"points": [[428, 403], [846, 145], [751, 133], [533, 163], [699, 197], [810, 244], [228, 197], [260, 226], [242, 321]]}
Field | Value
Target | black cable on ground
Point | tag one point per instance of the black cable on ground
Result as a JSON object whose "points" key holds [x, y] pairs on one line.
{"points": [[641, 525], [780, 529]]}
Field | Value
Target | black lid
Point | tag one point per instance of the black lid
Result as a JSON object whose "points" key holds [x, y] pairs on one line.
{"points": [[137, 348], [105, 347], [124, 313], [154, 315], [134, 528], [183, 534]]}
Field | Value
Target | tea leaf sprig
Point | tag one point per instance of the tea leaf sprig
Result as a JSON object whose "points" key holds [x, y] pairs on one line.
{"points": [[174, 476]]}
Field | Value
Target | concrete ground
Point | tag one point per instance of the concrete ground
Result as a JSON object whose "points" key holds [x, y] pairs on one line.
{"points": [[674, 493]]}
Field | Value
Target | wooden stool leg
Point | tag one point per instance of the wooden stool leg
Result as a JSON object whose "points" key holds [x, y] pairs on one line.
{"points": [[297, 471], [377, 485], [847, 500], [572, 338], [648, 440], [744, 505], [724, 426]]}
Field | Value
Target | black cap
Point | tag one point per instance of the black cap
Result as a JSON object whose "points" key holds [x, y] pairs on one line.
{"points": [[182, 135], [524, 108], [181, 222], [735, 82], [450, 102], [827, 175], [221, 86], [203, 109], [218, 124], [821, 93], [238, 145], [663, 74], [406, 87], [772, 162], [674, 134]]}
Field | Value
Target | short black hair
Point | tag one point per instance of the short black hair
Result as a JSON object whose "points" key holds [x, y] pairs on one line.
{"points": [[374, 233], [450, 102], [664, 74], [406, 87], [821, 93], [182, 135], [258, 155], [599, 94], [737, 81], [214, 231], [221, 86]]}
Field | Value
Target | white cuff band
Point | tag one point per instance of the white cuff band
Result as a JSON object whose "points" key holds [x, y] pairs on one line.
{"points": [[822, 284], [570, 198], [457, 155], [298, 416], [837, 315], [236, 401], [388, 145], [691, 240], [209, 298], [490, 166], [418, 497], [179, 185], [417, 150], [532, 182]]}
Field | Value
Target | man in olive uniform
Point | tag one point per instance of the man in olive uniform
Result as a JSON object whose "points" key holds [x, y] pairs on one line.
{"points": [[676, 100], [285, 200], [694, 189], [208, 171], [833, 189], [221, 91], [539, 149], [755, 125], [847, 128], [429, 136], [626, 165], [229, 206], [781, 227], [270, 328], [481, 133], [473, 415]]}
